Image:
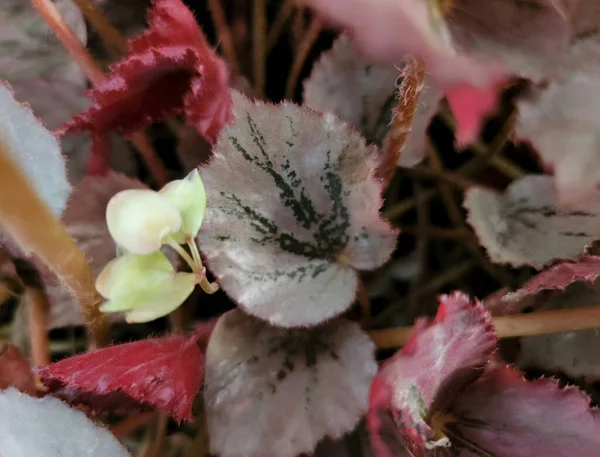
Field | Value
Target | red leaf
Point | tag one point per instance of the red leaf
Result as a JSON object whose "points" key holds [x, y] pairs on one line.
{"points": [[169, 70], [439, 361], [165, 373], [510, 416], [586, 268], [15, 371]]}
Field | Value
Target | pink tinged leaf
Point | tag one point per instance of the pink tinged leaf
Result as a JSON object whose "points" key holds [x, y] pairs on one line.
{"points": [[523, 226], [564, 117], [164, 373], [471, 105], [46, 427], [572, 353], [15, 371], [294, 210], [275, 392], [530, 38], [35, 150], [441, 359], [506, 415], [585, 268], [169, 70], [356, 90]]}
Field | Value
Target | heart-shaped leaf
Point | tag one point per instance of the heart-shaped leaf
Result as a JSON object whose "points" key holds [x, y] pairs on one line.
{"points": [[274, 392], [293, 210]]}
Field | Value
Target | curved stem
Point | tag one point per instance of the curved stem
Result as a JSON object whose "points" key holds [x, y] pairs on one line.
{"points": [[304, 48], [184, 255], [543, 322], [208, 287], [33, 226]]}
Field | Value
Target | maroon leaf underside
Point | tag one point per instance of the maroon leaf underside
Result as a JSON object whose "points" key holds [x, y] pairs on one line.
{"points": [[15, 371], [169, 70], [585, 268], [164, 373], [505, 415], [439, 361]]}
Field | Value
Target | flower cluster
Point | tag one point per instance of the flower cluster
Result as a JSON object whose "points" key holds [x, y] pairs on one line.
{"points": [[142, 281]]}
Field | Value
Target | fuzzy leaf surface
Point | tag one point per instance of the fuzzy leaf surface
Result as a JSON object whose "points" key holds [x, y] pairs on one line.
{"points": [[15, 370], [564, 117], [46, 427], [293, 210], [440, 360], [35, 150], [275, 392], [169, 70], [510, 416], [359, 92], [523, 226], [164, 373]]}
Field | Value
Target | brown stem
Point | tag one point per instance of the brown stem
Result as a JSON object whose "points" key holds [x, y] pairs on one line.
{"points": [[36, 229], [114, 40], [38, 308], [408, 94], [95, 74], [539, 323], [259, 45], [308, 40], [365, 304], [281, 19], [224, 34], [132, 423]]}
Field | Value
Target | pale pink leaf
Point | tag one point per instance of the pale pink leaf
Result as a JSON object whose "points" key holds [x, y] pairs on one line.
{"points": [[46, 427], [441, 359], [565, 117], [275, 392], [356, 90], [293, 212], [502, 414], [523, 226]]}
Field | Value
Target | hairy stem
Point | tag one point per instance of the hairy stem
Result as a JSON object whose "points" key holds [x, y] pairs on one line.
{"points": [[115, 41], [38, 309], [539, 323], [284, 13], [33, 226], [95, 74], [408, 98]]}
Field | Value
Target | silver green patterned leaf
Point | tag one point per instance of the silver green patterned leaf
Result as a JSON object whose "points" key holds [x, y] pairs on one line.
{"points": [[356, 90], [34, 149], [293, 211], [274, 392], [523, 226]]}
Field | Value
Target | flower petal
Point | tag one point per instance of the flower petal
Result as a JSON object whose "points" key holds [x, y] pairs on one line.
{"points": [[139, 220], [167, 298], [187, 195], [131, 273]]}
